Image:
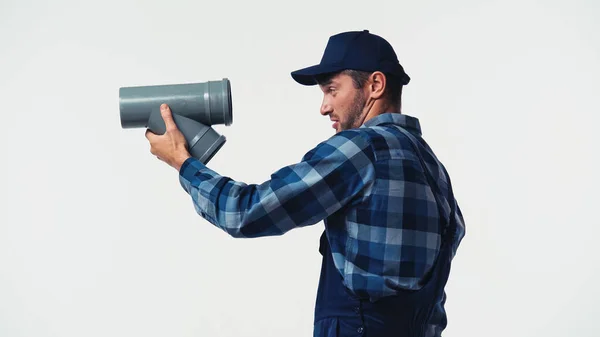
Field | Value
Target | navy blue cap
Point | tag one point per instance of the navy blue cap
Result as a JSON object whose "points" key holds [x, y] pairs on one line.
{"points": [[355, 50]]}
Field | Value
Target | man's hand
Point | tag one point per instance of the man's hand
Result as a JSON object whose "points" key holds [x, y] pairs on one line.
{"points": [[170, 147]]}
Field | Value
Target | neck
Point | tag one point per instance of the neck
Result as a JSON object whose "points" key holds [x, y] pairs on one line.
{"points": [[379, 107]]}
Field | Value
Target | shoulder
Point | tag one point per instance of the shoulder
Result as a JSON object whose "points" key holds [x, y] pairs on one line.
{"points": [[344, 144], [389, 142]]}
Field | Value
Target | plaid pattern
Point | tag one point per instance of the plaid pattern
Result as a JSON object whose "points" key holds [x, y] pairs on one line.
{"points": [[367, 185]]}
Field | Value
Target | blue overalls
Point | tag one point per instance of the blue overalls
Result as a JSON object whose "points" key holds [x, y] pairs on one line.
{"points": [[339, 313]]}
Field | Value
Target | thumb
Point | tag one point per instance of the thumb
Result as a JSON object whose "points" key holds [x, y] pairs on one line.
{"points": [[165, 112]]}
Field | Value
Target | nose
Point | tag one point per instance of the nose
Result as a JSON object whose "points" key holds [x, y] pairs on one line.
{"points": [[325, 107]]}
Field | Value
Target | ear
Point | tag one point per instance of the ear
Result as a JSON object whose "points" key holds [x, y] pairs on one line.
{"points": [[377, 83]]}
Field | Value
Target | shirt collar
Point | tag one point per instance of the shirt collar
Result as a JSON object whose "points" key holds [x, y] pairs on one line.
{"points": [[405, 121]]}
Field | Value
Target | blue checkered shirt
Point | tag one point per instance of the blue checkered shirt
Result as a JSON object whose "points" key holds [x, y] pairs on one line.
{"points": [[367, 185]]}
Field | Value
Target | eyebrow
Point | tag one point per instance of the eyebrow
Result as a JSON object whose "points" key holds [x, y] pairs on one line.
{"points": [[327, 82]]}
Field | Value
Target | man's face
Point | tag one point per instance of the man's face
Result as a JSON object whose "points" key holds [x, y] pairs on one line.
{"points": [[342, 102]]}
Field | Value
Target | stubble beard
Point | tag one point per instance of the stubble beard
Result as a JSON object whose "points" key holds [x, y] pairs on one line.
{"points": [[354, 112]]}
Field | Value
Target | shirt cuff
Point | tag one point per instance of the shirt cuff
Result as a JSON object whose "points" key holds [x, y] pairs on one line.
{"points": [[188, 172]]}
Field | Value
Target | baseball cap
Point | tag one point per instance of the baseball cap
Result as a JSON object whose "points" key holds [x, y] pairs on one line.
{"points": [[356, 50]]}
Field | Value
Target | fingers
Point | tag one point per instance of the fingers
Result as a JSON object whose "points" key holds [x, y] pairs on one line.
{"points": [[150, 135], [165, 112]]}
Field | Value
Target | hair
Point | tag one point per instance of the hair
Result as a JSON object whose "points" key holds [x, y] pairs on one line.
{"points": [[393, 87]]}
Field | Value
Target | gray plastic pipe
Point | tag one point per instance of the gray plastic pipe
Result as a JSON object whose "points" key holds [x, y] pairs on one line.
{"points": [[195, 106]]}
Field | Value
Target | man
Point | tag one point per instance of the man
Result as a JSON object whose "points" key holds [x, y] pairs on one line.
{"points": [[392, 224]]}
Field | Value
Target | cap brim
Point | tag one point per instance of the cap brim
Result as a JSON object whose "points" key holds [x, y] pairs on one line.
{"points": [[307, 76]]}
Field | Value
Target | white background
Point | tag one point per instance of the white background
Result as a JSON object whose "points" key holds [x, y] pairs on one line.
{"points": [[97, 238]]}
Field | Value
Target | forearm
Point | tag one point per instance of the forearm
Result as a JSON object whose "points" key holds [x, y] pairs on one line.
{"points": [[241, 210]]}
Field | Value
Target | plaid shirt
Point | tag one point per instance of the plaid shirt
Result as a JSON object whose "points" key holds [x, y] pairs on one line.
{"points": [[366, 184]]}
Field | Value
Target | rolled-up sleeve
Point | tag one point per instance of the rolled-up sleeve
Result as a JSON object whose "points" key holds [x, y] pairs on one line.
{"points": [[338, 171]]}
